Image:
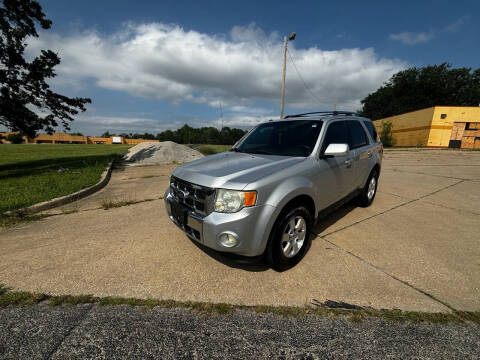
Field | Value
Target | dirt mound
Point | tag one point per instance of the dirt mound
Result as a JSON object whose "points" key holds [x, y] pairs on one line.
{"points": [[160, 153]]}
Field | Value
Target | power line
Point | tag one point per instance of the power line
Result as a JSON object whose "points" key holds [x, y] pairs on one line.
{"points": [[301, 78]]}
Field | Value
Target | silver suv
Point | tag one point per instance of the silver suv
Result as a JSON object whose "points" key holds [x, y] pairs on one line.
{"points": [[263, 196]]}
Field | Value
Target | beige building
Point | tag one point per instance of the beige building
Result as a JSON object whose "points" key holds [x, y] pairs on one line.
{"points": [[438, 126], [64, 138]]}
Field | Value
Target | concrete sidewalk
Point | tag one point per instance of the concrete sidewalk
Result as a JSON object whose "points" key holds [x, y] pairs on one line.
{"points": [[416, 248]]}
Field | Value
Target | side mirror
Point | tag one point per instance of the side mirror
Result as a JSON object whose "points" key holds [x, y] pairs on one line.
{"points": [[336, 150]]}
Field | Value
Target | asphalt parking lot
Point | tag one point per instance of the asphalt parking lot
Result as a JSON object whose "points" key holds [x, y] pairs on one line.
{"points": [[416, 248], [121, 332]]}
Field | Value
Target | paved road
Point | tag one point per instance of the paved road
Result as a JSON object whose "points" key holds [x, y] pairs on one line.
{"points": [[416, 248], [94, 332]]}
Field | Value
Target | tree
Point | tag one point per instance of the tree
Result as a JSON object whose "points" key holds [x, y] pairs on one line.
{"points": [[15, 138], [204, 135], [106, 134], [23, 86], [418, 88]]}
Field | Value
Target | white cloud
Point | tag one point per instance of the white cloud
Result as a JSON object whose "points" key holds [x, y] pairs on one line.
{"points": [[241, 121], [97, 124], [456, 25], [411, 38], [241, 69]]}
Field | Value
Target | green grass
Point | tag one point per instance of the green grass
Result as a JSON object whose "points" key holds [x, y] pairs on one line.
{"points": [[22, 298], [211, 149], [16, 218], [110, 204], [124, 201], [29, 172]]}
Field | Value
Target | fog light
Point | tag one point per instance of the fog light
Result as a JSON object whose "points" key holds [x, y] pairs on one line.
{"points": [[228, 240]]}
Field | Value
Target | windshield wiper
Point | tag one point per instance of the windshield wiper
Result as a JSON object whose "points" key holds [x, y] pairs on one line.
{"points": [[260, 152], [236, 150]]}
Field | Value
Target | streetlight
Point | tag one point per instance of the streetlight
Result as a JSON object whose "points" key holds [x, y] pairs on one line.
{"points": [[291, 37]]}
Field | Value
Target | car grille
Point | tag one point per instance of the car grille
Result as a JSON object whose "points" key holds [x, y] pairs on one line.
{"points": [[197, 198]]}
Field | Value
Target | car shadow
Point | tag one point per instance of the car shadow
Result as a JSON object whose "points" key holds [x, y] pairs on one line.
{"points": [[258, 263], [325, 221]]}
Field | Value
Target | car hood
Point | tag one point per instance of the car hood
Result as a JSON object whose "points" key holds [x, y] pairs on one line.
{"points": [[232, 170]]}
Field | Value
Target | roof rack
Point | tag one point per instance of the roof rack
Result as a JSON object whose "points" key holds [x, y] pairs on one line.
{"points": [[325, 113]]}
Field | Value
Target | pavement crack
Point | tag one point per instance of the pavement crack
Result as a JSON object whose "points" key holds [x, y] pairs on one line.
{"points": [[376, 267], [392, 208], [323, 237], [422, 173], [100, 208], [79, 321], [452, 208]]}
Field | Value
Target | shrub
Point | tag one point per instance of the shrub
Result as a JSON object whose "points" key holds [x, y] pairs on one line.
{"points": [[386, 134]]}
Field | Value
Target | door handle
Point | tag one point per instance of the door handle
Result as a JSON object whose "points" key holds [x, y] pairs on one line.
{"points": [[370, 154], [348, 163]]}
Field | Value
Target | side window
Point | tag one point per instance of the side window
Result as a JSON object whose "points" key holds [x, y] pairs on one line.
{"points": [[336, 134], [356, 134], [371, 129]]}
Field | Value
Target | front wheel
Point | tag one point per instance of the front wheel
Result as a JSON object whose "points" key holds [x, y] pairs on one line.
{"points": [[289, 239], [370, 190]]}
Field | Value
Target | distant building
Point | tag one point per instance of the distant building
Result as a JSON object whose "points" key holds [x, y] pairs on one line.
{"points": [[64, 138], [438, 126]]}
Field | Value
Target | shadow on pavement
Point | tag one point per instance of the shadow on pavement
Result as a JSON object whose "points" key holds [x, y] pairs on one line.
{"points": [[255, 264], [325, 221]]}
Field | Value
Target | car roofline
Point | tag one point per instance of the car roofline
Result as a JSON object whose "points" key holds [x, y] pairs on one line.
{"points": [[324, 118]]}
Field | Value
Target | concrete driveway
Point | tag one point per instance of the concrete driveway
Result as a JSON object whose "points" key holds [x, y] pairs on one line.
{"points": [[416, 248]]}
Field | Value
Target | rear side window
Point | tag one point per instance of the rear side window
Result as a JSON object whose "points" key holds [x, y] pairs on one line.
{"points": [[336, 134], [371, 129], [356, 135]]}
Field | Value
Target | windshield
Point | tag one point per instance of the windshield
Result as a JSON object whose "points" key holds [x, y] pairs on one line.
{"points": [[286, 138]]}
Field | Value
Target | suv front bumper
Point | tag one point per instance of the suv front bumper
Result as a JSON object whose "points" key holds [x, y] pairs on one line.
{"points": [[251, 227]]}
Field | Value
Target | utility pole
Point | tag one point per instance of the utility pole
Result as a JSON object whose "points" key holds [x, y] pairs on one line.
{"points": [[221, 115], [284, 73]]}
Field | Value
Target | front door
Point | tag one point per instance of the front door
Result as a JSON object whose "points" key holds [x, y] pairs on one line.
{"points": [[335, 174], [362, 152]]}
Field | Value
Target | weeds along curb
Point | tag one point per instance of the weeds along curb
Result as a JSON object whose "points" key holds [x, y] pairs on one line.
{"points": [[63, 200], [24, 298]]}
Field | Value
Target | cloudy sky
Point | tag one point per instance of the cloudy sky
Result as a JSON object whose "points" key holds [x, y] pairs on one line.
{"points": [[156, 65]]}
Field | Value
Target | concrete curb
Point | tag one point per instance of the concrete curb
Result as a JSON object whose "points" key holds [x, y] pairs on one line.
{"points": [[63, 200]]}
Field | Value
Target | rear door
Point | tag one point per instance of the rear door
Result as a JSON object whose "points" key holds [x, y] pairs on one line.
{"points": [[359, 145]]}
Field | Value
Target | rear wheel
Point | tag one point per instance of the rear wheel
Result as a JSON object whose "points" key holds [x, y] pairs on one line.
{"points": [[370, 190], [290, 238]]}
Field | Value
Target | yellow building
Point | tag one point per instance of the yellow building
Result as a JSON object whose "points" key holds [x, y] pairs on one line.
{"points": [[63, 138], [438, 126]]}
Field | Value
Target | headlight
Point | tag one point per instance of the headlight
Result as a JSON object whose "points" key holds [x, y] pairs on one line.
{"points": [[230, 201]]}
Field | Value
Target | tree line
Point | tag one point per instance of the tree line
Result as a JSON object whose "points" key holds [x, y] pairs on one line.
{"points": [[189, 135], [419, 88]]}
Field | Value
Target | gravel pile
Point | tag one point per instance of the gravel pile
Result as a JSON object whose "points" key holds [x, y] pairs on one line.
{"points": [[160, 153]]}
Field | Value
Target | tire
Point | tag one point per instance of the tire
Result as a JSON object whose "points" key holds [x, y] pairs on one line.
{"points": [[366, 197], [279, 255]]}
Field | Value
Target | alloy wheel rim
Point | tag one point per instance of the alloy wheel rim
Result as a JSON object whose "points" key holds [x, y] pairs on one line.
{"points": [[293, 236], [371, 188]]}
